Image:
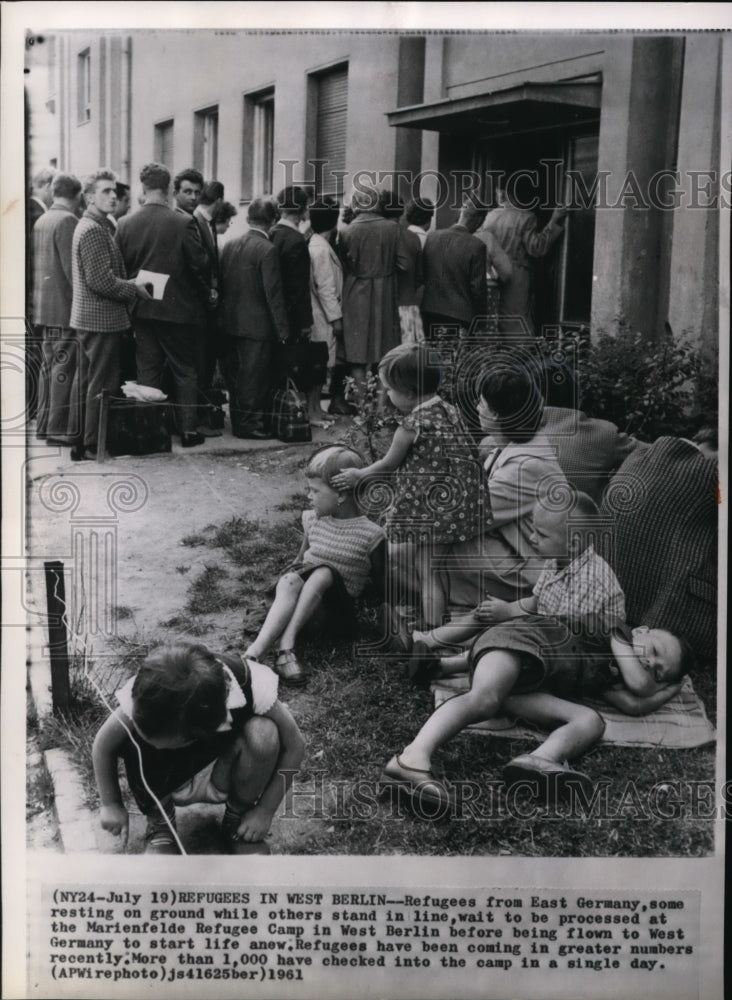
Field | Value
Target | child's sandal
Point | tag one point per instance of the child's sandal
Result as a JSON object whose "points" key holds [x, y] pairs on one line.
{"points": [[289, 668]]}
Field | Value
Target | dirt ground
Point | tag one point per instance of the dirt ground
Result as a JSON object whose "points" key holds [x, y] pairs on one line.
{"points": [[143, 507]]}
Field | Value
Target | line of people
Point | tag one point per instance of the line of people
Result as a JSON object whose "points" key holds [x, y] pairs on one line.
{"points": [[338, 290]]}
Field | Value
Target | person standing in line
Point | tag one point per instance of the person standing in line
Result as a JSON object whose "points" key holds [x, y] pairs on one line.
{"points": [[53, 235], [102, 294], [454, 303], [253, 318], [292, 203], [373, 253], [35, 206], [517, 231], [326, 290], [209, 348], [187, 187], [158, 239]]}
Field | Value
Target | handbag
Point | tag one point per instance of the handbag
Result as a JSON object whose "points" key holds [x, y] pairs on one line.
{"points": [[288, 415]]}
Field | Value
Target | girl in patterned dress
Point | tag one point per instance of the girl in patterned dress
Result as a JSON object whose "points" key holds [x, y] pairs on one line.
{"points": [[341, 550], [436, 492]]}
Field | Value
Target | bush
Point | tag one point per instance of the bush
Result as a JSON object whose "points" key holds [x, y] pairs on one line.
{"points": [[647, 389]]}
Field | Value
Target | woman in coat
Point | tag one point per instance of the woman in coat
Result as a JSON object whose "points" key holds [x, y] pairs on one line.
{"points": [[326, 289], [372, 253]]}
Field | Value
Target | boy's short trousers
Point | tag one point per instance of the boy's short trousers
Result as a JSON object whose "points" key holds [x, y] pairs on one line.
{"points": [[338, 605], [200, 788], [552, 657]]}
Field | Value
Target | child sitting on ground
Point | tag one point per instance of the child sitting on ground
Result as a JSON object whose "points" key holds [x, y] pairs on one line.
{"points": [[340, 551], [438, 483], [575, 582], [194, 726], [531, 664]]}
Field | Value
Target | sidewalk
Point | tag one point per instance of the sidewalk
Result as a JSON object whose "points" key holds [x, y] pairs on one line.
{"points": [[139, 508]]}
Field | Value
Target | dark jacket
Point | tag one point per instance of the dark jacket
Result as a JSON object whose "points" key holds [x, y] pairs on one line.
{"points": [[52, 282], [295, 269], [156, 238], [252, 304], [454, 270]]}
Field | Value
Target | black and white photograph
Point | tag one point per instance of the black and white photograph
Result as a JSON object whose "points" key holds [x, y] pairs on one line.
{"points": [[365, 429]]}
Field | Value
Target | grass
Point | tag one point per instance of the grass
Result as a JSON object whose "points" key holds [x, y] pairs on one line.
{"points": [[357, 711]]}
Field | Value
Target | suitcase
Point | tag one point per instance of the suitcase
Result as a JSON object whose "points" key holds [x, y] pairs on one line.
{"points": [[288, 415], [136, 428]]}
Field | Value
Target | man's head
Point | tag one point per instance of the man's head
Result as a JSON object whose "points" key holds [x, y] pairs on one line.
{"points": [[187, 187], [472, 214], [123, 200], [65, 187], [666, 656], [41, 184], [292, 202], [155, 177], [262, 214], [100, 191], [212, 194]]}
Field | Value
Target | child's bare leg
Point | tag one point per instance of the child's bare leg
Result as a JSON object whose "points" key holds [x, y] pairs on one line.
{"points": [[245, 770], [576, 728], [495, 674], [288, 591], [313, 590], [465, 627], [434, 600], [457, 664]]}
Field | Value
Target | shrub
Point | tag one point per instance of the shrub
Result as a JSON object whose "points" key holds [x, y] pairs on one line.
{"points": [[646, 388]]}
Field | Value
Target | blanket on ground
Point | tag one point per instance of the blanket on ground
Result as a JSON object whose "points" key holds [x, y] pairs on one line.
{"points": [[682, 722]]}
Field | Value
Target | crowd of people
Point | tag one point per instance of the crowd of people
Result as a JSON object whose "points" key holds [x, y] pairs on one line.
{"points": [[525, 599], [146, 296], [489, 554]]}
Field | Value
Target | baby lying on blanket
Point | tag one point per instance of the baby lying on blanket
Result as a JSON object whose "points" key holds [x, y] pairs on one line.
{"points": [[532, 663]]}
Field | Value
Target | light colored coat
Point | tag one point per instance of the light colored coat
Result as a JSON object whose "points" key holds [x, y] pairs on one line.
{"points": [[326, 291]]}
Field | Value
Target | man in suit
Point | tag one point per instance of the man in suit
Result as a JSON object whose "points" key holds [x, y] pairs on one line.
{"points": [[52, 296], [156, 238], [455, 296], [292, 247], [253, 316], [454, 271], [210, 348], [102, 294], [187, 187], [36, 205]]}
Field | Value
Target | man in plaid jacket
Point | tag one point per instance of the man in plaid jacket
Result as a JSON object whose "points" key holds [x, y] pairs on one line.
{"points": [[101, 297]]}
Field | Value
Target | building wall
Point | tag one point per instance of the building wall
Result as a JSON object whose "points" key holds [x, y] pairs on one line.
{"points": [[231, 64]]}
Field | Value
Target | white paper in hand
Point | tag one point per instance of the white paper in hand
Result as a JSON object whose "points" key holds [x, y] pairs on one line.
{"points": [[154, 281]]}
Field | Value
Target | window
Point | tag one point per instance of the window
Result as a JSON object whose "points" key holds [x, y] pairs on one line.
{"points": [[83, 86], [258, 149], [163, 146], [206, 142], [329, 126]]}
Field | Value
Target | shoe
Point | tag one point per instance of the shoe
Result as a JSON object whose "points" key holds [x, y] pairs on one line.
{"points": [[232, 843], [289, 668], [81, 454], [550, 780], [399, 638], [424, 665], [419, 785], [191, 438], [254, 435], [159, 838], [208, 432]]}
